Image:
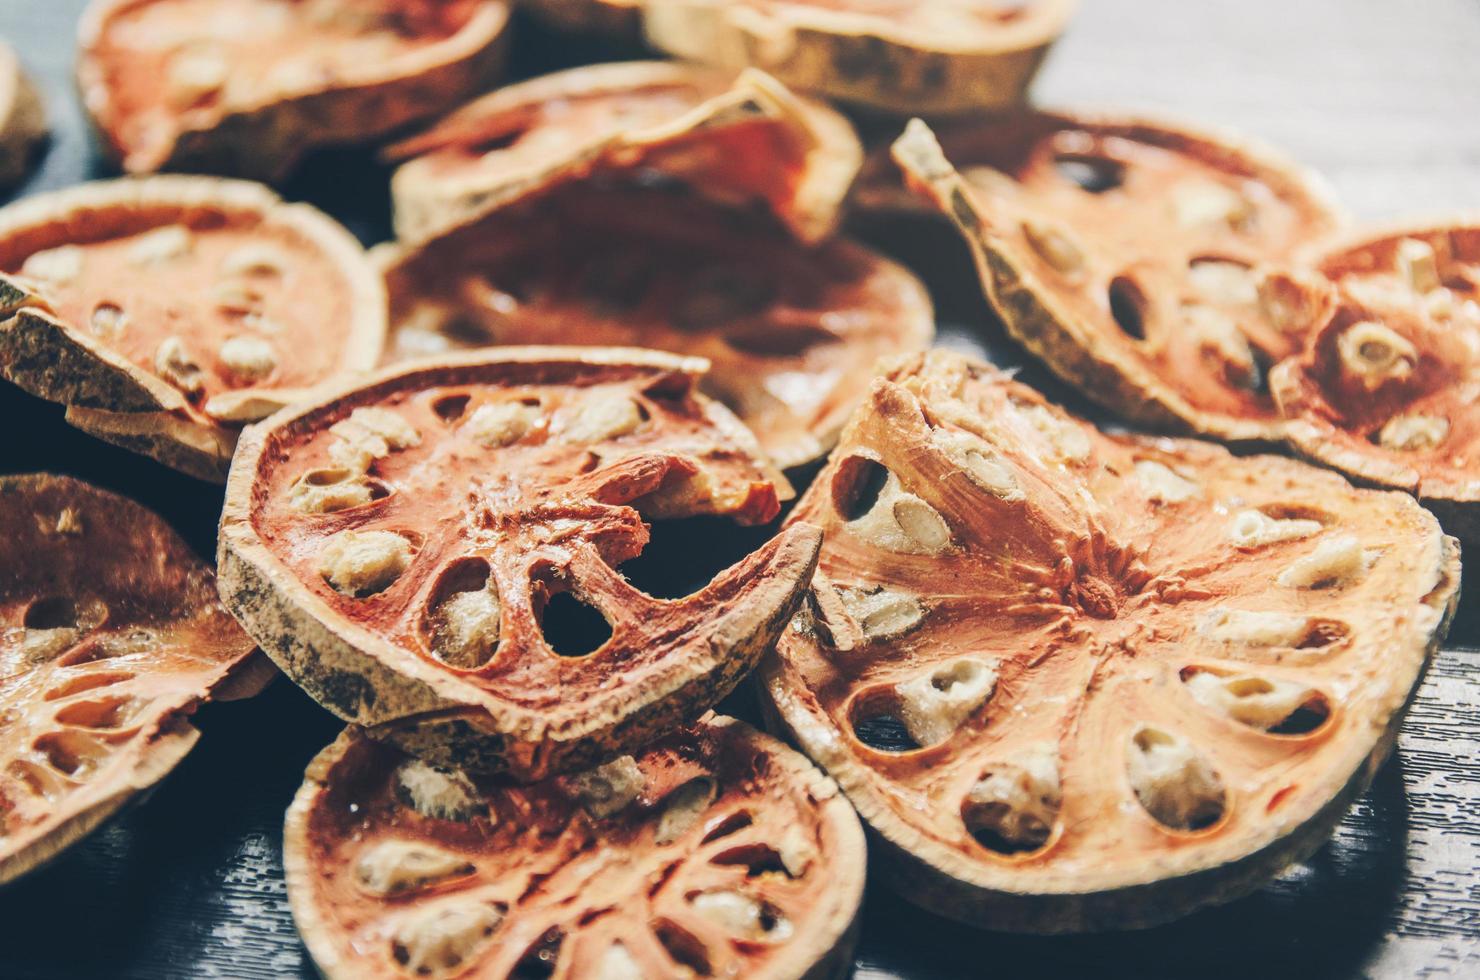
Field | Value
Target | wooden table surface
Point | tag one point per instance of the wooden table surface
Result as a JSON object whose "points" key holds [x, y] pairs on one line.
{"points": [[1382, 97]]}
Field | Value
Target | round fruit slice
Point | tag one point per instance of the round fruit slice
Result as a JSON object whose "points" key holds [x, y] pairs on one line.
{"points": [[1083, 682], [22, 118], [246, 87], [739, 141], [1127, 255], [112, 635], [793, 332], [166, 312], [1389, 389], [716, 851], [405, 549], [892, 55]]}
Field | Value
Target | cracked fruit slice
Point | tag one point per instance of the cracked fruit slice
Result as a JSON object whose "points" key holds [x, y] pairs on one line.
{"points": [[22, 118], [166, 312], [793, 333], [111, 634], [1083, 682], [889, 55], [1129, 256], [246, 87], [714, 851], [740, 141], [417, 550], [1388, 390]]}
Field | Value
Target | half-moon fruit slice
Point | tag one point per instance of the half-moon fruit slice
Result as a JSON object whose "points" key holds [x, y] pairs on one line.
{"points": [[246, 87], [1129, 256], [1083, 682], [22, 118], [890, 55], [713, 851], [166, 312], [1388, 390], [415, 552], [111, 634], [793, 333], [741, 141]]}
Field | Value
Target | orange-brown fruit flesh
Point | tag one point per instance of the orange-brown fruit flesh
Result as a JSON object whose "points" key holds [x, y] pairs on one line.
{"points": [[22, 118], [394, 548], [245, 87], [888, 56], [715, 851], [111, 633], [1388, 390], [744, 142], [1130, 256], [792, 333], [190, 304], [1083, 682]]}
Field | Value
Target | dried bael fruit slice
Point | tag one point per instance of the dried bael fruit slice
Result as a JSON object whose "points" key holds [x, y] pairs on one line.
{"points": [[740, 141], [1127, 255], [793, 332], [246, 87], [111, 634], [714, 851], [166, 312], [893, 55], [1388, 390], [1083, 682], [406, 550], [22, 118]]}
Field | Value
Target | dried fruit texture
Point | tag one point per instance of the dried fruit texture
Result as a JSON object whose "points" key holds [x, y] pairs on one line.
{"points": [[1131, 256], [1389, 388], [396, 547], [618, 20], [1081, 682], [727, 854], [741, 141], [793, 333], [22, 118], [110, 635], [166, 312], [246, 87], [890, 55]]}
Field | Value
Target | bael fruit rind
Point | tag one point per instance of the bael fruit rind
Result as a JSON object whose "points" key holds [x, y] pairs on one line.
{"points": [[471, 717], [871, 60], [821, 145], [69, 537], [1417, 280], [22, 118], [754, 801], [118, 399], [1104, 362], [1076, 846], [265, 138]]}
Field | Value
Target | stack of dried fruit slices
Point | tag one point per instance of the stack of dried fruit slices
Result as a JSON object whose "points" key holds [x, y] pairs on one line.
{"points": [[1069, 681]]}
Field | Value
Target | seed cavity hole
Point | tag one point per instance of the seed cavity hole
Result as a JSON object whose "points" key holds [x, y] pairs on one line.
{"points": [[877, 719], [732, 824], [573, 628], [461, 623], [1173, 781], [1094, 174], [450, 408], [857, 485], [1128, 306], [541, 959], [682, 946], [104, 713], [757, 859]]}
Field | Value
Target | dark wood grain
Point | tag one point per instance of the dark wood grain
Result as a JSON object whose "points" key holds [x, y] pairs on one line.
{"points": [[1384, 98]]}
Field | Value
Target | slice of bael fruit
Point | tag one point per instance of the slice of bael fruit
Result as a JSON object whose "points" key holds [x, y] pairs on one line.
{"points": [[22, 118], [742, 140], [1129, 256], [792, 332], [715, 851], [1084, 682], [111, 634], [246, 87], [396, 548], [1388, 390], [891, 55], [165, 312]]}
